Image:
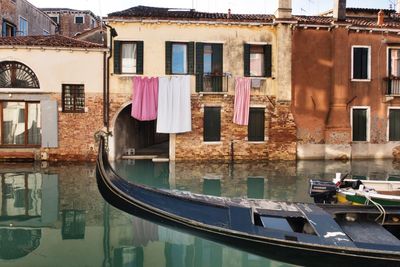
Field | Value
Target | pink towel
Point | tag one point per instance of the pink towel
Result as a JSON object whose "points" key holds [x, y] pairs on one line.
{"points": [[145, 98], [242, 101]]}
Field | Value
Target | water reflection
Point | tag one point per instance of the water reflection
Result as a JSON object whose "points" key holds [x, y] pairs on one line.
{"points": [[54, 215]]}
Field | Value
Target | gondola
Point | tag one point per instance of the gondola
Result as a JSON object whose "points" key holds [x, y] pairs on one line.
{"points": [[297, 233]]}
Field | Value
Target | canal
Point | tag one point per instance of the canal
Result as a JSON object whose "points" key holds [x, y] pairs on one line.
{"points": [[53, 215]]}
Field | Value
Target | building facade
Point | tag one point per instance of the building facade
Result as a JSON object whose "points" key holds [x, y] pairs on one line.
{"points": [[21, 18], [345, 84], [214, 50], [51, 97], [71, 21]]}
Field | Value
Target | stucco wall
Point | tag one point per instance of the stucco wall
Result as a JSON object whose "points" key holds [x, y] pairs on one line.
{"points": [[323, 93], [38, 22], [190, 146], [53, 67]]}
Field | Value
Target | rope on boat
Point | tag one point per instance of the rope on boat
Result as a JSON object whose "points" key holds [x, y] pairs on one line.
{"points": [[378, 206]]}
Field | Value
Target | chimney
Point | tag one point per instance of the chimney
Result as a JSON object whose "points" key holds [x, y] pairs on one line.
{"points": [[381, 17], [339, 10], [284, 10], [229, 13], [398, 6]]}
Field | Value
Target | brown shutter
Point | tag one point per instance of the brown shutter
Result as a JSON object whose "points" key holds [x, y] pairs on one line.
{"points": [[117, 57], [268, 60], [168, 58], [139, 57]]}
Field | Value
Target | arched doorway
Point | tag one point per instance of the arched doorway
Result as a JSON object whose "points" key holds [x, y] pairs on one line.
{"points": [[136, 137]]}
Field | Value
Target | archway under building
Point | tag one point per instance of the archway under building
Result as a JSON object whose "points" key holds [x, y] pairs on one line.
{"points": [[138, 139]]}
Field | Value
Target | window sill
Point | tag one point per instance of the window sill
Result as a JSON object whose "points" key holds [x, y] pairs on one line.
{"points": [[213, 93], [125, 74], [361, 80], [256, 142], [212, 142]]}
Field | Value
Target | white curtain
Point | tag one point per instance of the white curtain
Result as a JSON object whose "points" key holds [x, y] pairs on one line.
{"points": [[129, 58]]}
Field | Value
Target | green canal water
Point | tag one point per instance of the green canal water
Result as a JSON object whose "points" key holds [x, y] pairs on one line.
{"points": [[54, 215]]}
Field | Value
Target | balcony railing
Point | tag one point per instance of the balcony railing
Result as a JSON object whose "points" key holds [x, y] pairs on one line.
{"points": [[392, 85], [212, 82]]}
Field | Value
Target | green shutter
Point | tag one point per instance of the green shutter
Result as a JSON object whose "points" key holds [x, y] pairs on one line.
{"points": [[394, 125], [117, 57], [360, 63], [190, 55], [139, 57], [268, 60], [212, 187], [168, 58], [217, 67], [255, 187], [212, 124], [256, 127], [359, 125], [246, 60], [199, 66]]}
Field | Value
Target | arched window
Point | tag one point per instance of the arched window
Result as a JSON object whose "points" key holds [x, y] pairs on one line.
{"points": [[14, 74]]}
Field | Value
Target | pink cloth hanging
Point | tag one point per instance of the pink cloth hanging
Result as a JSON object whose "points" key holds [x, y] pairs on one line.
{"points": [[242, 101], [145, 98]]}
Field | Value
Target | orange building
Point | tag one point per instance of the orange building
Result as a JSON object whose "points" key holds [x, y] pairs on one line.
{"points": [[346, 87]]}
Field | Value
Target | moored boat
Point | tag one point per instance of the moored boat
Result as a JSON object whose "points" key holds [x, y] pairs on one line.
{"points": [[357, 192], [299, 233]]}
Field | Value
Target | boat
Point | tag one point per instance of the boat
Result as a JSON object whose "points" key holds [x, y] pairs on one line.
{"points": [[356, 192], [305, 234]]}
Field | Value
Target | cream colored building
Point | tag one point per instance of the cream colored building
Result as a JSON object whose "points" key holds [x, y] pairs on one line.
{"points": [[51, 97], [263, 40]]}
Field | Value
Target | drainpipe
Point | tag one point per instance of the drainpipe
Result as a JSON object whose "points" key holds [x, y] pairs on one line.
{"points": [[113, 33]]}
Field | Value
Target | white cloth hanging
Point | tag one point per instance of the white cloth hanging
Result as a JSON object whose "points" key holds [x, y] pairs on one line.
{"points": [[174, 106]]}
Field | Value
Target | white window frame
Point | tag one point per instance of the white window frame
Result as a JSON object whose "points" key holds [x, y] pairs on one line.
{"points": [[369, 63], [388, 123], [83, 19], [19, 28], [368, 108]]}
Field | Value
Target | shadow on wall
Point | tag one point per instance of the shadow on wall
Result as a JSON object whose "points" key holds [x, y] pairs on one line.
{"points": [[130, 133]]}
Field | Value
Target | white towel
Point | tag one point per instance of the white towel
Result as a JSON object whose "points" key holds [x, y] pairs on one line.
{"points": [[174, 106]]}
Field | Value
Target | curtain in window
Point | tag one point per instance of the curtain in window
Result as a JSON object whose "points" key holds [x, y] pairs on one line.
{"points": [[128, 58], [395, 62], [34, 124], [14, 123]]}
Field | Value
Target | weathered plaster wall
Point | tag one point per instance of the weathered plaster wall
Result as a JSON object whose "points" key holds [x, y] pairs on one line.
{"points": [[8, 11], [38, 22], [323, 93], [279, 124]]}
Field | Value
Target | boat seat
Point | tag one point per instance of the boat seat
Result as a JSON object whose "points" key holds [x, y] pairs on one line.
{"points": [[368, 232]]}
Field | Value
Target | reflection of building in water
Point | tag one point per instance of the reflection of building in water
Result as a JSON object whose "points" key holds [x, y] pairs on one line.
{"points": [[21, 195], [17, 243]]}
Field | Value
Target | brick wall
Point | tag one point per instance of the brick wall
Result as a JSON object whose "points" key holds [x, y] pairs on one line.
{"points": [[76, 131], [280, 130]]}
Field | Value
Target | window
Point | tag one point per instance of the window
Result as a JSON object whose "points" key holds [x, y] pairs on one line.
{"points": [[20, 123], [257, 60], [256, 124], [209, 67], [93, 23], [361, 58], [14, 74], [55, 19], [23, 27], [8, 29], [73, 98], [79, 20], [394, 124], [359, 124], [393, 81], [179, 58], [128, 57], [212, 124]]}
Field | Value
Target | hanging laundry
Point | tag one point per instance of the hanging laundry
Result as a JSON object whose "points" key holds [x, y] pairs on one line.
{"points": [[174, 106], [145, 98], [242, 101]]}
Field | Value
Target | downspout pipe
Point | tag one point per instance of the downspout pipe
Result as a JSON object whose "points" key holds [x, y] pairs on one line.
{"points": [[113, 33]]}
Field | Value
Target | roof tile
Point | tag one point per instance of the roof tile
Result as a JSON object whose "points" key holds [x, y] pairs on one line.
{"points": [[47, 41]]}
